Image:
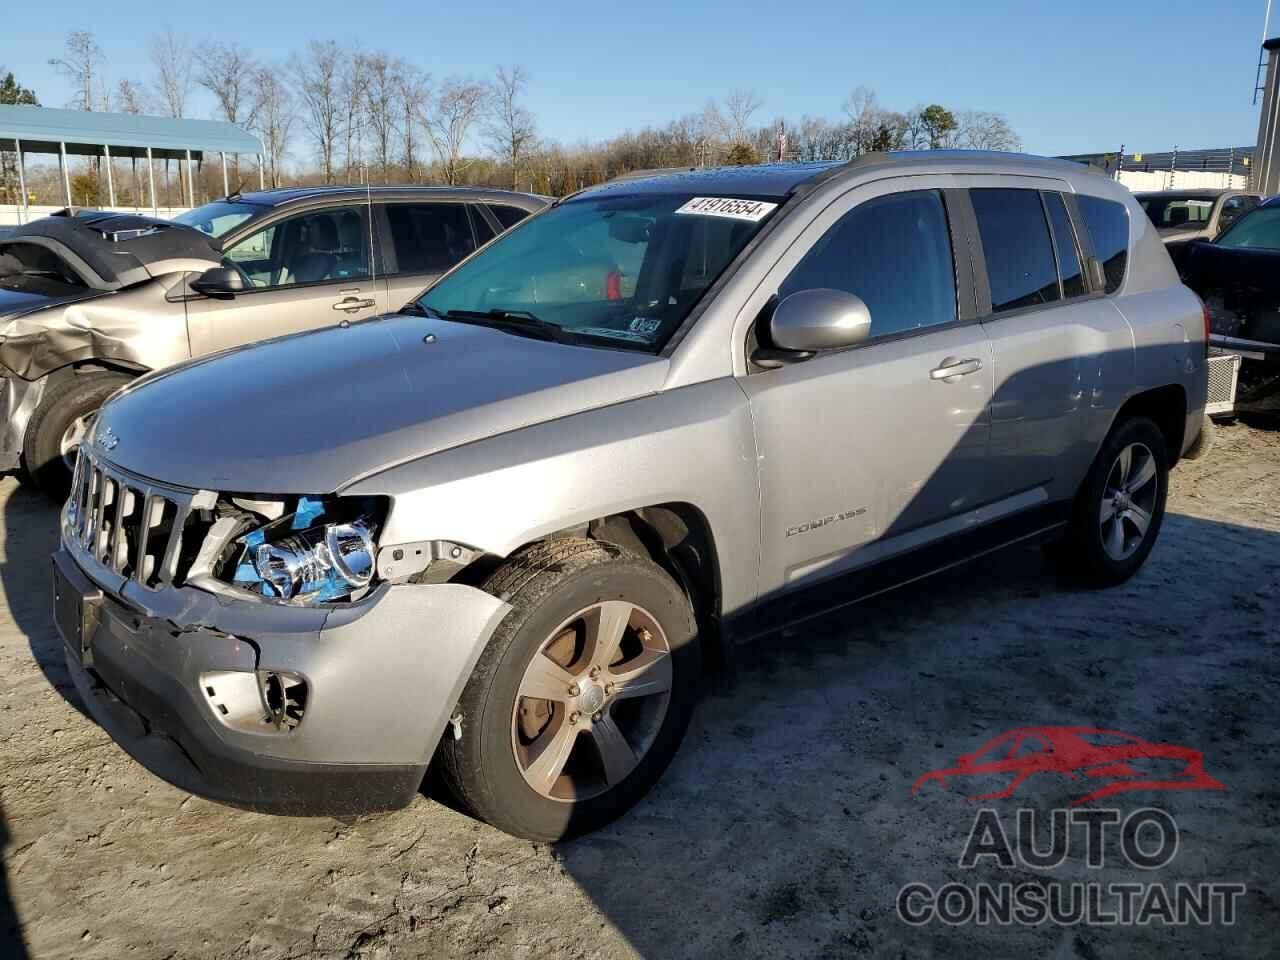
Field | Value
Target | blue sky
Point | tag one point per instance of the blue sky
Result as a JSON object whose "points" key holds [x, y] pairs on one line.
{"points": [[1071, 77]]}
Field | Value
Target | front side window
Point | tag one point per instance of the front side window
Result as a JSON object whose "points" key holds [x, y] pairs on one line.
{"points": [[1015, 241], [1233, 208], [1190, 213], [1108, 223], [324, 245], [220, 217], [621, 271], [430, 237], [1064, 242], [1260, 230], [894, 252]]}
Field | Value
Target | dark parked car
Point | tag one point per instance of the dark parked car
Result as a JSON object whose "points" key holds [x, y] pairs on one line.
{"points": [[1238, 277], [1181, 216], [91, 300]]}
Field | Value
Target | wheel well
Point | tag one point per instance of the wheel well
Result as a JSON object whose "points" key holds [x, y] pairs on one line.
{"points": [[1167, 407], [96, 365]]}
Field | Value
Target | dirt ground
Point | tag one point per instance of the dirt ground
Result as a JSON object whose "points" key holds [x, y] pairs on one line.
{"points": [[786, 826]]}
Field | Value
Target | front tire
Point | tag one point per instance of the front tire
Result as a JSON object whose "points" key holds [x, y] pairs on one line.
{"points": [[582, 696], [1120, 507], [59, 423]]}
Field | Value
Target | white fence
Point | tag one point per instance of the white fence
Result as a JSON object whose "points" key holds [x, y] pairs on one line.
{"points": [[1182, 180], [12, 215]]}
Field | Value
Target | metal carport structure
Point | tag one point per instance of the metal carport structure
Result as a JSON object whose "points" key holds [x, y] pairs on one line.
{"points": [[67, 133]]}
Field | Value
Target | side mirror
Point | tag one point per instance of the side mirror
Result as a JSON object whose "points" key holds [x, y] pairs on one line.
{"points": [[220, 283], [822, 319]]}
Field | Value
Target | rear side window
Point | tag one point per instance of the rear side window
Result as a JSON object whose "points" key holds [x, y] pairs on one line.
{"points": [[484, 229], [1064, 242], [1108, 224], [895, 253], [429, 237], [1019, 254], [507, 216]]}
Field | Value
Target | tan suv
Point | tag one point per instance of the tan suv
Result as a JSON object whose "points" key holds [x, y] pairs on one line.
{"points": [[91, 300]]}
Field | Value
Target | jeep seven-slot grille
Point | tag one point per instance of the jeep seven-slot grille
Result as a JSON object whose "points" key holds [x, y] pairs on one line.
{"points": [[128, 525]]}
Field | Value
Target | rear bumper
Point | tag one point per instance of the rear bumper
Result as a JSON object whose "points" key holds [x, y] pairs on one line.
{"points": [[383, 682]]}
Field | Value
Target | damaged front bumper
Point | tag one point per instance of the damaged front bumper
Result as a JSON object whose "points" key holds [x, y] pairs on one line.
{"points": [[18, 400], [184, 680]]}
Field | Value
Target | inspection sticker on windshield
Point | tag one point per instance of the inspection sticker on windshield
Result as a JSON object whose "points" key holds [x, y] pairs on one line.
{"points": [[750, 210]]}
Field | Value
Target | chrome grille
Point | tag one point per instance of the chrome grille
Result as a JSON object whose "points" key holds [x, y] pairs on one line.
{"points": [[128, 525]]}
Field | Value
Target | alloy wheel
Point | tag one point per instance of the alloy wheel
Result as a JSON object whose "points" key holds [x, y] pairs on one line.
{"points": [[592, 701], [72, 437], [1128, 501]]}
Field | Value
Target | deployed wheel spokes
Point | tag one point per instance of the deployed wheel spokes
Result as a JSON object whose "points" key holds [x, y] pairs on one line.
{"points": [[605, 672], [72, 437], [1128, 501]]}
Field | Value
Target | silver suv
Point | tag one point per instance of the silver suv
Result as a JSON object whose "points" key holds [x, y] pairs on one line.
{"points": [[90, 301], [507, 528]]}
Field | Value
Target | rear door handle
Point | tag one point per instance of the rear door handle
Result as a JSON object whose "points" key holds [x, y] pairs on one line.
{"points": [[352, 304], [951, 369]]}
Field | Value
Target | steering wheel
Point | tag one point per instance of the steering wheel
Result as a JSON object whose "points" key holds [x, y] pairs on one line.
{"points": [[248, 280]]}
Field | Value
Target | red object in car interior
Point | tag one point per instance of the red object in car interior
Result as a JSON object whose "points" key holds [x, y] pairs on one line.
{"points": [[613, 289]]}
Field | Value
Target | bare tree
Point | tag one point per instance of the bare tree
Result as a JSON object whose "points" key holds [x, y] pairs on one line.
{"points": [[226, 70], [82, 62], [739, 107], [511, 131], [455, 110], [129, 99], [352, 83], [274, 115], [981, 130], [319, 83], [172, 60], [413, 96], [381, 105]]}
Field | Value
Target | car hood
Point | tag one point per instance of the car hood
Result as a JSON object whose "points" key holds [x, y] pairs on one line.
{"points": [[310, 413]]}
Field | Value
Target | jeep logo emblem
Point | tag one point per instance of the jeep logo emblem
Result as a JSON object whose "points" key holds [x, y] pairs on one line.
{"points": [[108, 440]]}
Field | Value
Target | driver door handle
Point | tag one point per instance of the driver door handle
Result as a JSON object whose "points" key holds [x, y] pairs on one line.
{"points": [[352, 304], [952, 369]]}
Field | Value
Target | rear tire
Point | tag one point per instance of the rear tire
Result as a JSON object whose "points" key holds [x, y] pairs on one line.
{"points": [[48, 451], [1120, 507], [554, 767]]}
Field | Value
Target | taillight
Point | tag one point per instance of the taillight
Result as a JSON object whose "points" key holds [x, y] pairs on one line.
{"points": [[613, 287]]}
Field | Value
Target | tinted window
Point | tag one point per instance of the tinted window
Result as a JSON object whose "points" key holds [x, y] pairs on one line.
{"points": [[1260, 230], [1019, 254], [484, 230], [1233, 208], [1108, 224], [309, 248], [507, 216], [429, 237], [895, 253], [1064, 239]]}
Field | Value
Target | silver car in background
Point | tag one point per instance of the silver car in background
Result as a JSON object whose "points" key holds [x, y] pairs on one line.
{"points": [[90, 301], [505, 529]]}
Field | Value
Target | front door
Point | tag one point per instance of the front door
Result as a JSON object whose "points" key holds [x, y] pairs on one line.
{"points": [[870, 451], [309, 270]]}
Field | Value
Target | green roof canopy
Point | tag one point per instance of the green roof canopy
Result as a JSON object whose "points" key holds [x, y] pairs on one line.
{"points": [[42, 129]]}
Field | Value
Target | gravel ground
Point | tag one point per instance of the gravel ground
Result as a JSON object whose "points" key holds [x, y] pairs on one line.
{"points": [[786, 825]]}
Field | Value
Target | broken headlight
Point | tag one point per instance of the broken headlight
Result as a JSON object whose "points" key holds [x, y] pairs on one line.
{"points": [[301, 559]]}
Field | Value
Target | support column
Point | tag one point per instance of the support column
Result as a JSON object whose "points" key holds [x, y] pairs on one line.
{"points": [[66, 174], [111, 184], [22, 183], [226, 187], [262, 185], [191, 190], [151, 181]]}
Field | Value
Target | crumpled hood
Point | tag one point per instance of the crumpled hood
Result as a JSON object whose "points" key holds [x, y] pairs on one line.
{"points": [[312, 412]]}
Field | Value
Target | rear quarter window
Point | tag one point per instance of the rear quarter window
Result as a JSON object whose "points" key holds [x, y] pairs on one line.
{"points": [[1108, 225]]}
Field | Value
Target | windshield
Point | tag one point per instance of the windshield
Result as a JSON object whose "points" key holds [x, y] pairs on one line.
{"points": [[623, 270], [1257, 230], [1193, 213], [219, 217]]}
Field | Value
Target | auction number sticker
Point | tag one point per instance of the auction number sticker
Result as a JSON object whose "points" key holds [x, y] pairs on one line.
{"points": [[752, 211]]}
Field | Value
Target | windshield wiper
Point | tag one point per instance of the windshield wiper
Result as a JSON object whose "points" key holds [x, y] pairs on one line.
{"points": [[520, 322]]}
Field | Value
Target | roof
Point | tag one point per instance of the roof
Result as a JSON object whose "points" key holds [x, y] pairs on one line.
{"points": [[274, 198], [1207, 192], [780, 179], [41, 129]]}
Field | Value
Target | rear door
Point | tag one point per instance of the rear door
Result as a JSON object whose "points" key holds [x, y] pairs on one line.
{"points": [[306, 270], [1063, 353], [426, 238]]}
